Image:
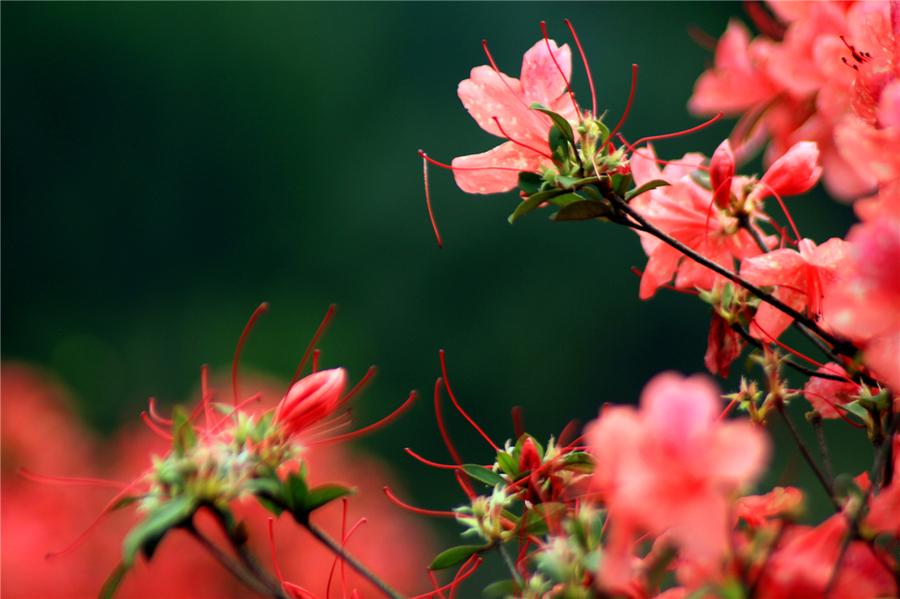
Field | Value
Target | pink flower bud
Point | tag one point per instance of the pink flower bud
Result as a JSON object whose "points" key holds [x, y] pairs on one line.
{"points": [[721, 170], [529, 458], [311, 399], [794, 173]]}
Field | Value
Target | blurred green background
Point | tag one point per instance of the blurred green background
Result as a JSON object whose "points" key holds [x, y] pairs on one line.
{"points": [[167, 166]]}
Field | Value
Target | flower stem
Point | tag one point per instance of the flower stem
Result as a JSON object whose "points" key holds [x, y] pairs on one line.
{"points": [[354, 563], [233, 566], [804, 450]]}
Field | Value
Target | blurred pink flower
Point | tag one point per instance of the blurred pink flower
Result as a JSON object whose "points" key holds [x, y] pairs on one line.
{"points": [[672, 467]]}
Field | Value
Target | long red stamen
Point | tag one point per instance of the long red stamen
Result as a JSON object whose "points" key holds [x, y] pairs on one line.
{"points": [[434, 227], [151, 408], [466, 168], [587, 68], [559, 68], [371, 372], [448, 443], [518, 419], [312, 342], [459, 407], [107, 509], [416, 510], [472, 563], [464, 484], [785, 347], [376, 425], [260, 310], [317, 353], [624, 117], [632, 148], [271, 525], [493, 63], [435, 584], [837, 407], [728, 409], [567, 432], [155, 427], [694, 129], [783, 209], [520, 143], [70, 480], [428, 462]]}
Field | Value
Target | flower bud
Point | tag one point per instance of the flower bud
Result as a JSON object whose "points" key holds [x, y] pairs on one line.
{"points": [[794, 173], [311, 399], [529, 459], [721, 171]]}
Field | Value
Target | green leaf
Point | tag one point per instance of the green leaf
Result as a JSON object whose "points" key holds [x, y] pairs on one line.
{"points": [[507, 464], [501, 588], [455, 555], [559, 144], [566, 199], [583, 210], [530, 182], [488, 477], [578, 461], [531, 203], [294, 491], [857, 410], [558, 121], [270, 505], [645, 188], [324, 494], [124, 502], [183, 436], [150, 531], [109, 588]]}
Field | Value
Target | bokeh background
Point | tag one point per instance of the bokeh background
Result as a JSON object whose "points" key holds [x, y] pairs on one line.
{"points": [[167, 167]]}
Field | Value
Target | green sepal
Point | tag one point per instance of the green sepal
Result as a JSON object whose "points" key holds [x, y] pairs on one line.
{"points": [[578, 461], [558, 121], [508, 464], [530, 182], [455, 555], [295, 492], [113, 581], [149, 532], [583, 210], [322, 495], [645, 188], [488, 477], [531, 203], [183, 436], [501, 588]]}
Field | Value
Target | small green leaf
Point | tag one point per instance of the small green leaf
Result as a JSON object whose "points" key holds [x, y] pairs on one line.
{"points": [[578, 461], [488, 477], [558, 121], [583, 210], [124, 502], [109, 588], [149, 532], [455, 555], [294, 491], [645, 188], [857, 410], [566, 199], [501, 588], [531, 203], [324, 494], [507, 464], [183, 436], [530, 182], [270, 505]]}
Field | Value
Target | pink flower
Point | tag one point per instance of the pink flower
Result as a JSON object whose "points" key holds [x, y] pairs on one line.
{"points": [[738, 81], [500, 105], [865, 306], [311, 399], [757, 510], [672, 467], [686, 211], [824, 394], [803, 564], [800, 278]]}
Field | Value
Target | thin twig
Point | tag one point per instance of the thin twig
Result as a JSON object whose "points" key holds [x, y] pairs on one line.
{"points": [[354, 563], [799, 368], [816, 422], [840, 346], [804, 450], [509, 564], [232, 565]]}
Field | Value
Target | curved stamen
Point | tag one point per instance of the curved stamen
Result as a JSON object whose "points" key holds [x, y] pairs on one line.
{"points": [[416, 510], [459, 408], [694, 129], [434, 227], [783, 208], [559, 68], [428, 462], [467, 168], [163, 434], [406, 405], [624, 117], [519, 143], [587, 68], [70, 480], [312, 342], [260, 310]]}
